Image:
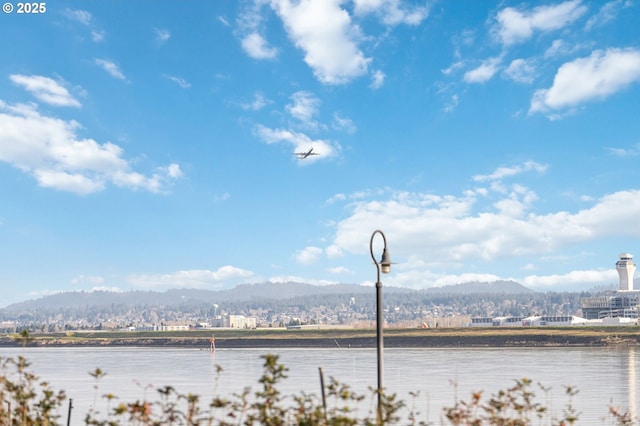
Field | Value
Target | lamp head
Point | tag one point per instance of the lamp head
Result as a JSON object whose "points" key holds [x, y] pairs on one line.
{"points": [[385, 262]]}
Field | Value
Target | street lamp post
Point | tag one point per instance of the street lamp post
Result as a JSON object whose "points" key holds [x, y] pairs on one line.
{"points": [[383, 266]]}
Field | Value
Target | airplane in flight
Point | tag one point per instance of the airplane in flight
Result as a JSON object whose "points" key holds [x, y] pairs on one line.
{"points": [[303, 155]]}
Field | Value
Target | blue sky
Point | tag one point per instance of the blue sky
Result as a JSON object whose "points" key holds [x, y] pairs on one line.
{"points": [[150, 144]]}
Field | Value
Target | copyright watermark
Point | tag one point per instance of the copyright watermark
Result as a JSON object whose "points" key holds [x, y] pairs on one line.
{"points": [[32, 8]]}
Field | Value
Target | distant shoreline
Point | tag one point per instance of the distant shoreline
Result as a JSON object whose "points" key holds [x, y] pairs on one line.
{"points": [[342, 338]]}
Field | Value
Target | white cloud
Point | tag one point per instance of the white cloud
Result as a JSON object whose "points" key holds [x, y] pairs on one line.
{"points": [[556, 46], [358, 195], [415, 273], [85, 18], [428, 233], [453, 67], [249, 27], [173, 171], [503, 172], [97, 35], [625, 152], [259, 101], [515, 26], [334, 251], [308, 255], [561, 48], [81, 16], [342, 123], [179, 81], [607, 13], [484, 72], [414, 276], [570, 279], [445, 232], [518, 200], [452, 103], [223, 277], [304, 108], [392, 12], [377, 79], [111, 68], [45, 89], [324, 31], [340, 270], [162, 36], [68, 181], [257, 47], [520, 71], [597, 76], [50, 150]]}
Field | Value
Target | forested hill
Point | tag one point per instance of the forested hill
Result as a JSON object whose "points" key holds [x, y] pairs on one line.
{"points": [[276, 304], [247, 292]]}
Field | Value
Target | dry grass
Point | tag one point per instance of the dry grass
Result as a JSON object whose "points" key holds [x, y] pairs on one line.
{"points": [[510, 334]]}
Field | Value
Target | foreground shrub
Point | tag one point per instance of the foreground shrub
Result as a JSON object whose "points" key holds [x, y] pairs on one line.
{"points": [[27, 401]]}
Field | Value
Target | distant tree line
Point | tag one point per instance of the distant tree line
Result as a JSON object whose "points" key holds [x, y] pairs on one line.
{"points": [[324, 308]]}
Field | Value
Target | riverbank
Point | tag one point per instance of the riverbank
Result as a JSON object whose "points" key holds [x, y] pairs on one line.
{"points": [[341, 338]]}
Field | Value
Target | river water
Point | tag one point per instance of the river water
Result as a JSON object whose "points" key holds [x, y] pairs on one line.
{"points": [[603, 376]]}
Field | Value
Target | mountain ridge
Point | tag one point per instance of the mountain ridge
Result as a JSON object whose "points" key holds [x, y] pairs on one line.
{"points": [[246, 292]]}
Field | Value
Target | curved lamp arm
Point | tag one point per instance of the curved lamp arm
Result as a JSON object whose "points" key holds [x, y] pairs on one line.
{"points": [[384, 265]]}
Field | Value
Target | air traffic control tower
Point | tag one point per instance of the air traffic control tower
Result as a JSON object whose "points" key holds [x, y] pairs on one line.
{"points": [[626, 268], [622, 303]]}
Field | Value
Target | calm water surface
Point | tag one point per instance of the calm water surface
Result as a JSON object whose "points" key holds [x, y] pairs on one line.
{"points": [[603, 376]]}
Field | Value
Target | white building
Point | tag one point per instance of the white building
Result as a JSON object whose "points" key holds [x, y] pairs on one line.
{"points": [[496, 322], [554, 320], [240, 321], [481, 322], [173, 327]]}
